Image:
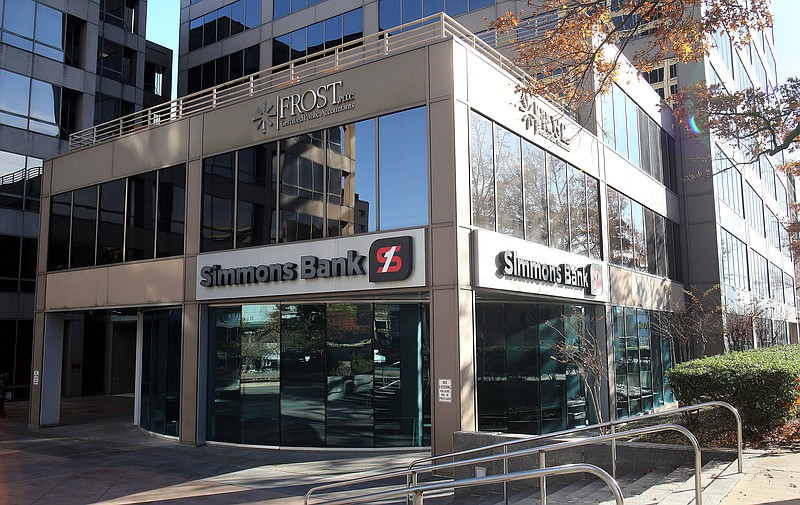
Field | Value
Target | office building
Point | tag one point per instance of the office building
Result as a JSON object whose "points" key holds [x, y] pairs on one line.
{"points": [[63, 67], [369, 246]]}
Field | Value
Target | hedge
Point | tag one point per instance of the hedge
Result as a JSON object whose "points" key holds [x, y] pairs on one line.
{"points": [[763, 384]]}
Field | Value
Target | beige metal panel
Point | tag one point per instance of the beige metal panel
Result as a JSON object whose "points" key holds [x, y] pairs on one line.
{"points": [[41, 288], [636, 289], [44, 234], [189, 277], [194, 200], [37, 352], [440, 70], [143, 283], [146, 283], [442, 166], [154, 148], [385, 85], [82, 168], [195, 137], [47, 177], [189, 374], [444, 269], [452, 359]]}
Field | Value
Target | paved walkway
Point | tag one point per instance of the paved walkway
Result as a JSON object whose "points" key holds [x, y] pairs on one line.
{"points": [[97, 456]]}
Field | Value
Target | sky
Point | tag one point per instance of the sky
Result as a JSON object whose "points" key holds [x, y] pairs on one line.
{"points": [[163, 20]]}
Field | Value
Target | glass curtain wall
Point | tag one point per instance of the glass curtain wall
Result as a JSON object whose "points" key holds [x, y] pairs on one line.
{"points": [[520, 190], [320, 375], [642, 353], [161, 372], [522, 388], [351, 179]]}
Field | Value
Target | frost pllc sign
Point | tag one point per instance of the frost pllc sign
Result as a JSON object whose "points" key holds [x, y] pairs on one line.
{"points": [[589, 278], [345, 263], [305, 105]]}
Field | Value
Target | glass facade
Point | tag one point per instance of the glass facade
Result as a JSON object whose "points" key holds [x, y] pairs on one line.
{"points": [[317, 37], [642, 353], [522, 388], [520, 190], [227, 68], [131, 219], [320, 375], [36, 105], [397, 12], [224, 22], [161, 372], [313, 185], [40, 29]]}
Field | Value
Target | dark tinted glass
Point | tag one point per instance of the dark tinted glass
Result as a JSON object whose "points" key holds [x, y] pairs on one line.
{"points": [[140, 227], [225, 365], [28, 259], [84, 227], [350, 362], [161, 366], [9, 256], [260, 374], [389, 14], [303, 379], [58, 246], [171, 211], [112, 220], [218, 196], [256, 197], [491, 367]]}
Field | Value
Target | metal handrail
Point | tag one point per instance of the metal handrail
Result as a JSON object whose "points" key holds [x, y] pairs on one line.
{"points": [[608, 424], [368, 48], [541, 473], [413, 472]]}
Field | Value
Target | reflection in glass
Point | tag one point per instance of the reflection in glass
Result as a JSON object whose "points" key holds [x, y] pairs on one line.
{"points": [[111, 227], [534, 175], [403, 153], [49, 26], [218, 198], [256, 198], [350, 361], [14, 92], [557, 202], [482, 171], [260, 374], [19, 16], [140, 226], [508, 187], [578, 222], [84, 223], [522, 358], [58, 245], [303, 384], [171, 205], [161, 372]]}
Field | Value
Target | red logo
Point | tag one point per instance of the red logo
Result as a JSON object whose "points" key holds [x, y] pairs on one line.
{"points": [[390, 259]]}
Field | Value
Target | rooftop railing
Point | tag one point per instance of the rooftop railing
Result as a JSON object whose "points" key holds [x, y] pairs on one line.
{"points": [[366, 49]]}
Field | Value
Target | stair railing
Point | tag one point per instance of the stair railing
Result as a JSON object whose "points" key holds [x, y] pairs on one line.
{"points": [[411, 474], [418, 491], [611, 425]]}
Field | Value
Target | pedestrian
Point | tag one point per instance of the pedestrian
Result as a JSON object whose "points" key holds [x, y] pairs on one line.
{"points": [[5, 394]]}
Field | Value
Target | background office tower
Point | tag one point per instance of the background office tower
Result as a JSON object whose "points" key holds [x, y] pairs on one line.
{"points": [[64, 66]]}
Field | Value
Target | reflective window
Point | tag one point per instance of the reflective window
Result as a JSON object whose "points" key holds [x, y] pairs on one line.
{"points": [[218, 203], [256, 203], [403, 168], [557, 191], [19, 17], [222, 23], [578, 218], [14, 93], [535, 190], [319, 375], [227, 68], [522, 388], [322, 35], [510, 220], [60, 219], [482, 172], [140, 225], [84, 227], [365, 200], [161, 372], [396, 12], [111, 222], [171, 210]]}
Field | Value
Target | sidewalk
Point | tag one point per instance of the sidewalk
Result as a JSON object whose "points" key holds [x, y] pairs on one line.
{"points": [[108, 460], [773, 479], [98, 456]]}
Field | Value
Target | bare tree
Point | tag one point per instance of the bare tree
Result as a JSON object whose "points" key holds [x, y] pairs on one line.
{"points": [[690, 330]]}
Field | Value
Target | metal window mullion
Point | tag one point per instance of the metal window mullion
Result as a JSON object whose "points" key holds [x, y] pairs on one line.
{"points": [[155, 214], [125, 217], [235, 198]]}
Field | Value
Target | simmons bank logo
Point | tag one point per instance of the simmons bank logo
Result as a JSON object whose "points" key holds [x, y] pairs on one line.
{"points": [[390, 259]]}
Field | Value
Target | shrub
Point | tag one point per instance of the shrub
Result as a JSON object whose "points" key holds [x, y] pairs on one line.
{"points": [[763, 384]]}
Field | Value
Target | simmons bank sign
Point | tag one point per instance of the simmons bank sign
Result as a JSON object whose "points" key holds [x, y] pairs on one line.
{"points": [[340, 264]]}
